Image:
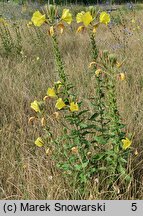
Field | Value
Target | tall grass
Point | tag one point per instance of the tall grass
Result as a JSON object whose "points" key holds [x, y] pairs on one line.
{"points": [[26, 172]]}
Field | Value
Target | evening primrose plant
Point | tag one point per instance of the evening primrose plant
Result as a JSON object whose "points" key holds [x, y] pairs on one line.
{"points": [[115, 144], [72, 142], [87, 145], [110, 141]]}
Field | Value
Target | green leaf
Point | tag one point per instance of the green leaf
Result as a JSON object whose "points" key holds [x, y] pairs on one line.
{"points": [[82, 112], [121, 170], [102, 168], [101, 140], [65, 167], [98, 157], [84, 165], [83, 178], [128, 178], [87, 132], [92, 126], [95, 115], [122, 160], [83, 125], [78, 167]]}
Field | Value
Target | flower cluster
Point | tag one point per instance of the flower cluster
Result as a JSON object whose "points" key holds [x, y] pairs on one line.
{"points": [[54, 93], [87, 19], [51, 18]]}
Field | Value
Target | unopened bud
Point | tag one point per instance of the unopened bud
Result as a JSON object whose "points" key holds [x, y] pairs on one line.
{"points": [[43, 122], [112, 59], [74, 150], [31, 119]]}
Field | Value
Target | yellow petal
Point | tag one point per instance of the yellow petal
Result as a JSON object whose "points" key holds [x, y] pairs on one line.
{"points": [[97, 72], [46, 98], [80, 29], [136, 152], [60, 104], [91, 63], [47, 151], [61, 27], [66, 16], [126, 143], [74, 107], [79, 16], [118, 64], [95, 27], [51, 92], [38, 19], [104, 18], [122, 76], [58, 85], [87, 18], [35, 106], [51, 31], [39, 142]]}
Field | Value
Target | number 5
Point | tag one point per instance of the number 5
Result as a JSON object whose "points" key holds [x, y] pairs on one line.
{"points": [[134, 206]]}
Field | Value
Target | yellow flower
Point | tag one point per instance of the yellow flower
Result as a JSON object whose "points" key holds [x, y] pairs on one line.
{"points": [[86, 18], [126, 143], [74, 107], [60, 104], [97, 72], [104, 18], [51, 92], [35, 106], [122, 76], [38, 19], [66, 16], [79, 16], [51, 31], [39, 142]]}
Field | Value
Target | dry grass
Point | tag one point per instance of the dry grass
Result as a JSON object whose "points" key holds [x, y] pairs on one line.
{"points": [[26, 172]]}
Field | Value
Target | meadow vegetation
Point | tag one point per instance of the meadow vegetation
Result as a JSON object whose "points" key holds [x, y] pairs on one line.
{"points": [[32, 59]]}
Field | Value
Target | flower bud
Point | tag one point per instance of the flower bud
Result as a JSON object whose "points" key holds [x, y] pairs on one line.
{"points": [[112, 59]]}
